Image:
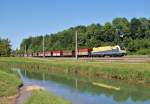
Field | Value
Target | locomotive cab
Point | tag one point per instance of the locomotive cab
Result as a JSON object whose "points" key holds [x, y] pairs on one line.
{"points": [[112, 51]]}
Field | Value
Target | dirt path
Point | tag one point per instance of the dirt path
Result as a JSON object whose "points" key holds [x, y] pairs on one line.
{"points": [[25, 92], [8, 100]]}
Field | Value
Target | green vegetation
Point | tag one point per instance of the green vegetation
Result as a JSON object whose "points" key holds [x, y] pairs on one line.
{"points": [[88, 69], [44, 97], [143, 51], [136, 37], [5, 47], [8, 84]]}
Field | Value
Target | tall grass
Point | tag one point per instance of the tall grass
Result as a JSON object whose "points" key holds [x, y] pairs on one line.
{"points": [[114, 70]]}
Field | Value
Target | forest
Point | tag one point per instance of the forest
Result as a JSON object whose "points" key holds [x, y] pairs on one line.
{"points": [[134, 35]]}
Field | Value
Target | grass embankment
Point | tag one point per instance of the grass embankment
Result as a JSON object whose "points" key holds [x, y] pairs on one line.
{"points": [[113, 70], [8, 87], [8, 84], [44, 97]]}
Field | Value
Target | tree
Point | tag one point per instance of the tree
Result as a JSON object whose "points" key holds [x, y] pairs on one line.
{"points": [[5, 47], [135, 27], [136, 36]]}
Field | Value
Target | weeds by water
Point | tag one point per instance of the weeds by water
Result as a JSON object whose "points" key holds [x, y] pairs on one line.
{"points": [[8, 84]]}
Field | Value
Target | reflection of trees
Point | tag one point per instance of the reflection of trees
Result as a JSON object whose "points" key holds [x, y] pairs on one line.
{"points": [[135, 92], [32, 75]]}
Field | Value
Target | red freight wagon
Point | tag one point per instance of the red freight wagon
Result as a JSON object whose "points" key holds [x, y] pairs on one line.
{"points": [[84, 51], [48, 53], [35, 54], [25, 55], [67, 53], [57, 53], [20, 55], [29, 54], [40, 54]]}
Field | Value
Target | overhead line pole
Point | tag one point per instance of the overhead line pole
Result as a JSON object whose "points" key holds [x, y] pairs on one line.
{"points": [[43, 47], [25, 50], [76, 45]]}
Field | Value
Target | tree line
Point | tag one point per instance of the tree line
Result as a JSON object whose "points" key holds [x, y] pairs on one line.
{"points": [[5, 47], [133, 34]]}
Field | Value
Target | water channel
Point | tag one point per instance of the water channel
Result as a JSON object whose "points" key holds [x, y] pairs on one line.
{"points": [[83, 92]]}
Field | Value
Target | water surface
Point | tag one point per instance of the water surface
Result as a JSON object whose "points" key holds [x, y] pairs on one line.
{"points": [[83, 92]]}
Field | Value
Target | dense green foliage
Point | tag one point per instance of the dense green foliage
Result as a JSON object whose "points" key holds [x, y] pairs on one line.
{"points": [[8, 83], [136, 36], [5, 47], [44, 97]]}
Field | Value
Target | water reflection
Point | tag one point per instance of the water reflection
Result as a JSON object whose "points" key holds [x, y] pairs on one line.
{"points": [[79, 91]]}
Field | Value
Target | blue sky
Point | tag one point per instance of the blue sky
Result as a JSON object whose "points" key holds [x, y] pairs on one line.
{"points": [[23, 18]]}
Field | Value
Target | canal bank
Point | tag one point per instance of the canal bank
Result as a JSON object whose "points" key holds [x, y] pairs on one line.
{"points": [[8, 87], [15, 91], [133, 72]]}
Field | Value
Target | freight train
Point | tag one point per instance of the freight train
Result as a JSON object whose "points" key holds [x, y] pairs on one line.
{"points": [[112, 51]]}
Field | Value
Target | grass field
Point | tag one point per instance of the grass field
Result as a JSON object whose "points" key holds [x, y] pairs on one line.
{"points": [[44, 97], [113, 70]]}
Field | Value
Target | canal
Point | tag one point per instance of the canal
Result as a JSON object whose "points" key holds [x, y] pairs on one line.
{"points": [[79, 91]]}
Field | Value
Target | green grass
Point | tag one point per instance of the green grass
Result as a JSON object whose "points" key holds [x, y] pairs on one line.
{"points": [[44, 97], [118, 70], [8, 84]]}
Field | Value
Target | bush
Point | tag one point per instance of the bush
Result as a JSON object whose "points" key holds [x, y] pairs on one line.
{"points": [[143, 52]]}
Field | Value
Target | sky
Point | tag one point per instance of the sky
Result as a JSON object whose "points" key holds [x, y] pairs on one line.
{"points": [[21, 19]]}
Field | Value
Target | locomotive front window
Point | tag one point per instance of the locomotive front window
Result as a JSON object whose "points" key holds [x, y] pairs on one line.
{"points": [[117, 49]]}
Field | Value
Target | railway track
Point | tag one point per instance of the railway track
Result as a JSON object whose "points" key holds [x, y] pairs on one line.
{"points": [[132, 59], [122, 59]]}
